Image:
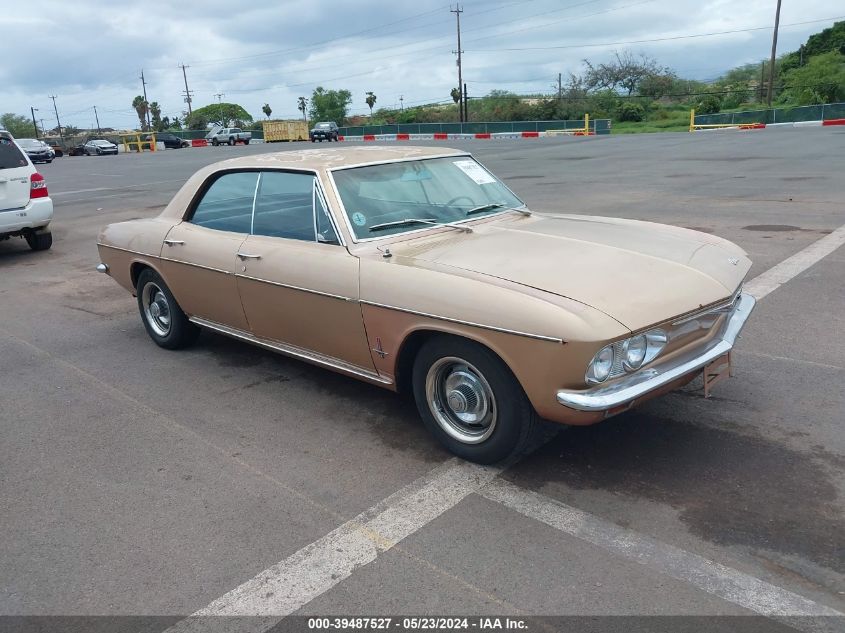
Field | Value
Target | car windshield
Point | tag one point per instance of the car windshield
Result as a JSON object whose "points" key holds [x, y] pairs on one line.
{"points": [[323, 126], [410, 195], [103, 143], [29, 143]]}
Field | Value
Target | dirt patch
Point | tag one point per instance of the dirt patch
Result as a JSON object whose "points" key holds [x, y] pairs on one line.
{"points": [[772, 227]]}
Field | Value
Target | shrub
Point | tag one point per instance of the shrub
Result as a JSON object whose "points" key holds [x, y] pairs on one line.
{"points": [[630, 111], [708, 104]]}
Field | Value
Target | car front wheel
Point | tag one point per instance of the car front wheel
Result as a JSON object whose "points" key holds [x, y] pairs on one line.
{"points": [[163, 319], [470, 401]]}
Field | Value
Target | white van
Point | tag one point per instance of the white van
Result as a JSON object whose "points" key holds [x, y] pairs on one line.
{"points": [[25, 206]]}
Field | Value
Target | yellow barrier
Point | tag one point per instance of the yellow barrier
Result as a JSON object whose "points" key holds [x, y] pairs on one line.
{"points": [[693, 126], [574, 131], [138, 143]]}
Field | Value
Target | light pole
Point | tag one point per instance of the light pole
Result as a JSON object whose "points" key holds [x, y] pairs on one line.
{"points": [[32, 110]]}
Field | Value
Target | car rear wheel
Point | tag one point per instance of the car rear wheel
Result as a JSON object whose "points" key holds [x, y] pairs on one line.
{"points": [[39, 240], [163, 319], [231, 141], [214, 142], [246, 142], [470, 400]]}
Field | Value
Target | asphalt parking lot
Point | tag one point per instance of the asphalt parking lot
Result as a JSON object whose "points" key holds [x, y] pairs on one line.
{"points": [[226, 480]]}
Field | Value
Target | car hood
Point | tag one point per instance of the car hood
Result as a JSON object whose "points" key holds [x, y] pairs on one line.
{"points": [[639, 273]]}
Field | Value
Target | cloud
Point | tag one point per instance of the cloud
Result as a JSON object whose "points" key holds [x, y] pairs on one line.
{"points": [[274, 52]]}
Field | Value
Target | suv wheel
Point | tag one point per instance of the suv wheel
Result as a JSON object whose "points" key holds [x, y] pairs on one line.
{"points": [[231, 140], [39, 240]]}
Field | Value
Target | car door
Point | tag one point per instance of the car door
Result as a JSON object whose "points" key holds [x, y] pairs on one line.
{"points": [[15, 187], [199, 254], [298, 284]]}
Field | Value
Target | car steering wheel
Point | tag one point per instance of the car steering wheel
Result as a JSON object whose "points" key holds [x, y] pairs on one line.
{"points": [[456, 198]]}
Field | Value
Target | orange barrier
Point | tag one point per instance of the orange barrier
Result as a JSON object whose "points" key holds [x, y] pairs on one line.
{"points": [[834, 122], [199, 142]]}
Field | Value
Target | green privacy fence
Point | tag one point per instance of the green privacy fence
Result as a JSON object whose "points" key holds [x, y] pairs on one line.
{"points": [[776, 115], [599, 126]]}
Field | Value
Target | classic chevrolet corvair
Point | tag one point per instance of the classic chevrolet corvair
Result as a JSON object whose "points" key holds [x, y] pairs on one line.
{"points": [[416, 269]]}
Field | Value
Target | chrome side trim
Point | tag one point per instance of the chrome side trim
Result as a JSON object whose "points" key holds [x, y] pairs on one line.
{"points": [[281, 285], [638, 384], [127, 250], [182, 261], [539, 337], [295, 352], [724, 306]]}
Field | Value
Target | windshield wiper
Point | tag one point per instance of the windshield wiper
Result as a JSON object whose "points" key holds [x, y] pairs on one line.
{"points": [[495, 205], [407, 221]]}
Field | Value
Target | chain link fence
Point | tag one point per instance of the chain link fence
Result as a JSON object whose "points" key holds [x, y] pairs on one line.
{"points": [[776, 115], [599, 126]]}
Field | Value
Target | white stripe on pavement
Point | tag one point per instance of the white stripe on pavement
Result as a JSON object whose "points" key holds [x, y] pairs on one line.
{"points": [[779, 274], [716, 579], [292, 583]]}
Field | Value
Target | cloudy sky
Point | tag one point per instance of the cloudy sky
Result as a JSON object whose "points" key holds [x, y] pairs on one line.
{"points": [[91, 52]]}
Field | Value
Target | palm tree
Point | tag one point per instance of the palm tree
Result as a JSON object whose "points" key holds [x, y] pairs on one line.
{"points": [[456, 94], [371, 101], [141, 107], [302, 104], [267, 110]]}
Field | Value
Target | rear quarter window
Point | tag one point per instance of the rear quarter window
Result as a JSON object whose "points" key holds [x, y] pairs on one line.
{"points": [[10, 155]]}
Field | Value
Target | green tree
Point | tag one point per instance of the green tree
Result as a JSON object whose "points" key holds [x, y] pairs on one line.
{"points": [[225, 114], [141, 108], [155, 113], [371, 101], [302, 105], [19, 126], [267, 110], [820, 80], [830, 40], [330, 105], [708, 104]]}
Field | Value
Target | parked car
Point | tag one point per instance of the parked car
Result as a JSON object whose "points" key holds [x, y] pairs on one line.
{"points": [[38, 151], [171, 141], [230, 136], [98, 147], [77, 150], [325, 130], [25, 205], [416, 269], [57, 148]]}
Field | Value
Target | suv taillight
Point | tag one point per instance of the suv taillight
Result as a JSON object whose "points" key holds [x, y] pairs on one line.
{"points": [[37, 186]]}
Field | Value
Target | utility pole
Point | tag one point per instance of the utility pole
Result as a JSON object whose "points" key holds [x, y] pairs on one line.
{"points": [[59, 123], [762, 79], [220, 96], [772, 59], [99, 133], [401, 104], [43, 129], [146, 103], [457, 11], [559, 88], [32, 110], [188, 93]]}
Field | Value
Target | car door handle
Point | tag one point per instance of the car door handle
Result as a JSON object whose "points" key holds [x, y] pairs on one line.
{"points": [[174, 242], [248, 256]]}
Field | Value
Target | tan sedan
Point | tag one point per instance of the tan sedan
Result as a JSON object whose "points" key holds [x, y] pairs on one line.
{"points": [[416, 269]]}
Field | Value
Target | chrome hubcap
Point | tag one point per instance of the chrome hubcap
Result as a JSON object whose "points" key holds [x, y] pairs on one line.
{"points": [[156, 308], [461, 400]]}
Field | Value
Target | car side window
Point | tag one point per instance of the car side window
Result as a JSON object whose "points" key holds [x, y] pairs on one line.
{"points": [[227, 203], [284, 206]]}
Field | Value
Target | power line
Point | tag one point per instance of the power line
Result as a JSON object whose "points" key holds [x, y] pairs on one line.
{"points": [[657, 39]]}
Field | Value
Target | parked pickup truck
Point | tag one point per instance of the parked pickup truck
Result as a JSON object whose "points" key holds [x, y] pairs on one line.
{"points": [[229, 135]]}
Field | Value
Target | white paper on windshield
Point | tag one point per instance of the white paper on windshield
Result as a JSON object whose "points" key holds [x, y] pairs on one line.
{"points": [[474, 171]]}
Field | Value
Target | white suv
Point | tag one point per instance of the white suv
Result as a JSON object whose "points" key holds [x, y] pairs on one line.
{"points": [[25, 207]]}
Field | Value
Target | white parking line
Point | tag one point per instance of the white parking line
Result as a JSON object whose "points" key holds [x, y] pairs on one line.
{"points": [[779, 274], [714, 578], [292, 583]]}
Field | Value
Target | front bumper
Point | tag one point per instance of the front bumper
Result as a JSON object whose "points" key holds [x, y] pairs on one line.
{"points": [[41, 156], [639, 384]]}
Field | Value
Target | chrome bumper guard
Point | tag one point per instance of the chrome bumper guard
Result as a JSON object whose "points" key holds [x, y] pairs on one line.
{"points": [[629, 388]]}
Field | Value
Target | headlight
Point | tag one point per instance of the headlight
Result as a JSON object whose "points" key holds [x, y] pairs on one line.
{"points": [[600, 366], [627, 355], [635, 349]]}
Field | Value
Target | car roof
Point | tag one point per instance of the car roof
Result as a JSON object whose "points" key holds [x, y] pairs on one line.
{"points": [[325, 159]]}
